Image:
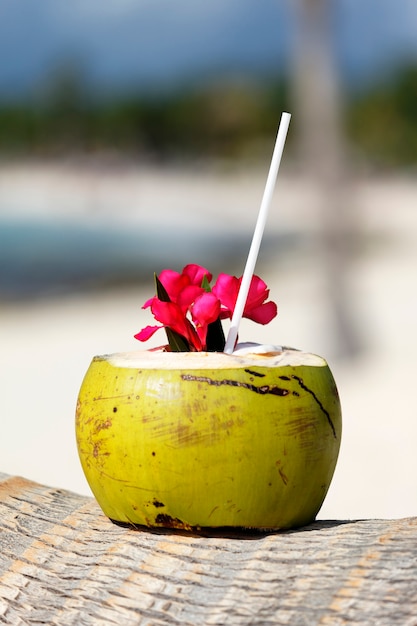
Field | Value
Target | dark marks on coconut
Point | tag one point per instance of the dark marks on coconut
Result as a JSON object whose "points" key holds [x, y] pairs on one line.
{"points": [[262, 390]]}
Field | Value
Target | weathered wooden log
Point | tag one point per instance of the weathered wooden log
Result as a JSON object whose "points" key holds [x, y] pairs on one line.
{"points": [[62, 562]]}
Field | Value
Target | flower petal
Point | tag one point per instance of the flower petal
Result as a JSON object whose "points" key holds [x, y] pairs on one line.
{"points": [[204, 311], [226, 289], [188, 296], [148, 303], [196, 274], [146, 333], [168, 313], [262, 314], [174, 283], [171, 316], [258, 293]]}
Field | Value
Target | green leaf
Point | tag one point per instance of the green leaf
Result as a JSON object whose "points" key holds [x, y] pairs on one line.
{"points": [[205, 284], [177, 342], [161, 292], [215, 337]]}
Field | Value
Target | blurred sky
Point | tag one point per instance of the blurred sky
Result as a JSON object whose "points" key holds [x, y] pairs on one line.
{"points": [[133, 44]]}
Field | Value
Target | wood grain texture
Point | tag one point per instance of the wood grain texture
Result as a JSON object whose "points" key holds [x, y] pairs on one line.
{"points": [[62, 562]]}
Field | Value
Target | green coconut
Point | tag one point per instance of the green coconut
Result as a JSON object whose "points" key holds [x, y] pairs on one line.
{"points": [[200, 440]]}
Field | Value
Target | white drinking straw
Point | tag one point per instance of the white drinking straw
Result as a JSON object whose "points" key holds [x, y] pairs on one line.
{"points": [[257, 235]]}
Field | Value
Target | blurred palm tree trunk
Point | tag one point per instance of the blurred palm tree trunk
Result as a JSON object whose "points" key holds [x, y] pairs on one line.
{"points": [[323, 155]]}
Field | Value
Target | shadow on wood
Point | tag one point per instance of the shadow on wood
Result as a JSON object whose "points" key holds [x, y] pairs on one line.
{"points": [[62, 562]]}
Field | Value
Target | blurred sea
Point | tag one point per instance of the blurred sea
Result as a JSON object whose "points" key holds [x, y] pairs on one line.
{"points": [[50, 245], [40, 257]]}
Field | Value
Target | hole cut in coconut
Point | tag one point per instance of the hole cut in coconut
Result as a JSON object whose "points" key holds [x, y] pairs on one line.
{"points": [[245, 355]]}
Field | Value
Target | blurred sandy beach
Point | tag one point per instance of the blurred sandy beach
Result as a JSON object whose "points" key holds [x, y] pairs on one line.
{"points": [[47, 344]]}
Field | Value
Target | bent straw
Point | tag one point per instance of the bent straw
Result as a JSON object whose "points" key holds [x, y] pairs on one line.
{"points": [[257, 235]]}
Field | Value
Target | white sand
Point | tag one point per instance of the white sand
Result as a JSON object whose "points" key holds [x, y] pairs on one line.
{"points": [[46, 346]]}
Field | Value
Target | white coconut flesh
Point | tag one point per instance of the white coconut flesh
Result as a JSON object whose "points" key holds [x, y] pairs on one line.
{"points": [[245, 355]]}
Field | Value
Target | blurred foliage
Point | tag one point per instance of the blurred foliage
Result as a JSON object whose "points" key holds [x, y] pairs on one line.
{"points": [[382, 123], [224, 118]]}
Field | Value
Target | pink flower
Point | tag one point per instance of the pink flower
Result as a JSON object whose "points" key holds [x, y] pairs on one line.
{"points": [[196, 274], [187, 299], [173, 317], [175, 283], [256, 309], [188, 306]]}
